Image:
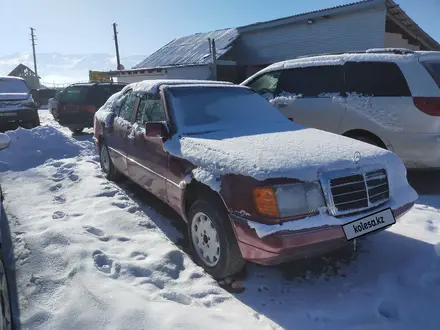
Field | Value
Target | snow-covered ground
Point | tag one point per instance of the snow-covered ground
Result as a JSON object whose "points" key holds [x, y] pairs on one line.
{"points": [[90, 254]]}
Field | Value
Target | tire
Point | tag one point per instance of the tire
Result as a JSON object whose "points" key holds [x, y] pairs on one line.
{"points": [[5, 300], [110, 171], [76, 130], [229, 259]]}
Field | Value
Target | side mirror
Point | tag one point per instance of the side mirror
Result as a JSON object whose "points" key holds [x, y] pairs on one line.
{"points": [[156, 129], [4, 141]]}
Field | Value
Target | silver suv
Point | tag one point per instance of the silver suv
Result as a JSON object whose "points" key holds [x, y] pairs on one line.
{"points": [[386, 97]]}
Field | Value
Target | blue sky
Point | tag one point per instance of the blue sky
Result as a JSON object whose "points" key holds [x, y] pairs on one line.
{"points": [[85, 26]]}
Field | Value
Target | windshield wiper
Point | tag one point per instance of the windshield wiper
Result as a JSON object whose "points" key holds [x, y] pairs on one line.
{"points": [[200, 132]]}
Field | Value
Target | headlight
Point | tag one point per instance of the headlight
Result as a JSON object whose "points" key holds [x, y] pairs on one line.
{"points": [[289, 199]]}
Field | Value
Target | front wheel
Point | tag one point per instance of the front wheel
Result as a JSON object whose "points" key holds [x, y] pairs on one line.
{"points": [[212, 239], [110, 171]]}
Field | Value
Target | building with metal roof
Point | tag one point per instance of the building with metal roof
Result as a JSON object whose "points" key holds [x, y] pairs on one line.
{"points": [[22, 71], [240, 52]]}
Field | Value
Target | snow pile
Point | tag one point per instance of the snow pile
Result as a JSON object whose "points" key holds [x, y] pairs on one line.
{"points": [[330, 95], [285, 98], [31, 148], [384, 116], [88, 257]]}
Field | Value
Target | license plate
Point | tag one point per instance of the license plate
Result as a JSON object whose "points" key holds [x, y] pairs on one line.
{"points": [[7, 114], [369, 224]]}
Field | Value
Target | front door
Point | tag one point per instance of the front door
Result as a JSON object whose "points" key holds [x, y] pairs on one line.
{"points": [[118, 135], [313, 96], [147, 161]]}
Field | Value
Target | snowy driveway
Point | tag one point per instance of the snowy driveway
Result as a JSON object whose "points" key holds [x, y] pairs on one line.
{"points": [[91, 254]]}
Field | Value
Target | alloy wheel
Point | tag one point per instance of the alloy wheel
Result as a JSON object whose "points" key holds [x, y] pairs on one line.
{"points": [[205, 239]]}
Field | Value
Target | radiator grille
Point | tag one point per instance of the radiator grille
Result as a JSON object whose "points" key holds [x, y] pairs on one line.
{"points": [[360, 191]]}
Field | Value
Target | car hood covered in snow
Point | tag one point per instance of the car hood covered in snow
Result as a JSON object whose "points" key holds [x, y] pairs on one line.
{"points": [[302, 154]]}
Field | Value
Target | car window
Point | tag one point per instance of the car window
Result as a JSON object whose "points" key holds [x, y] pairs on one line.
{"points": [[127, 107], [313, 81], [103, 92], [375, 79], [74, 94], [434, 70], [266, 84], [150, 109]]}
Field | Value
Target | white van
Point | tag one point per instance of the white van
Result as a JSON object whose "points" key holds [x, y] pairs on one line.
{"points": [[386, 97]]}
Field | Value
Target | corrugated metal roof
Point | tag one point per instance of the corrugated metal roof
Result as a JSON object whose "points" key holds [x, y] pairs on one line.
{"points": [[287, 18], [398, 14], [190, 50]]}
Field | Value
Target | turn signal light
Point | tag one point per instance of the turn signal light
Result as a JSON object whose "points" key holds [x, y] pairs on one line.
{"points": [[265, 201]]}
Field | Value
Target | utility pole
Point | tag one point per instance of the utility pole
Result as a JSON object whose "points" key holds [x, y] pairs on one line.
{"points": [[115, 36], [33, 50], [214, 59]]}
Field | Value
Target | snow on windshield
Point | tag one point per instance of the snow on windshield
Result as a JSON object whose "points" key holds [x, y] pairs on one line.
{"points": [[8, 85], [200, 109]]}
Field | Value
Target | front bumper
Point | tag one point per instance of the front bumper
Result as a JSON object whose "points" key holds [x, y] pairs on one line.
{"points": [[13, 119], [290, 245]]}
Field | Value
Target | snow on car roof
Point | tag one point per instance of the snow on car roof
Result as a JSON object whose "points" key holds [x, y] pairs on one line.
{"points": [[152, 86], [338, 59], [148, 86]]}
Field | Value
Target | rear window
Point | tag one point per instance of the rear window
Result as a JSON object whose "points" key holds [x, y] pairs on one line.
{"points": [[103, 92], [74, 94], [434, 70], [13, 86], [375, 79]]}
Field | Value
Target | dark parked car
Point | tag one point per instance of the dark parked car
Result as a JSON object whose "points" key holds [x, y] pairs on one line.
{"points": [[5, 302], [78, 103], [251, 184], [41, 96], [17, 108]]}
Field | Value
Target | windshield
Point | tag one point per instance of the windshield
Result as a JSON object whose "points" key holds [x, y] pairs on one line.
{"points": [[8, 86], [200, 109]]}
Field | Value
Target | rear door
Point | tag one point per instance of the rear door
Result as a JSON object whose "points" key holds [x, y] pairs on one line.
{"points": [[147, 159], [379, 100], [312, 96], [117, 135], [72, 99]]}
